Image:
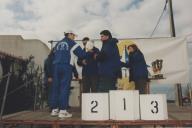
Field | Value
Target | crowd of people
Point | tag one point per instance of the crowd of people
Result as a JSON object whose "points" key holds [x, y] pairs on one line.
{"points": [[100, 69]]}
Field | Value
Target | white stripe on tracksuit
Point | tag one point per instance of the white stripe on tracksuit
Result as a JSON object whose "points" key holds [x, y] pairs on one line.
{"points": [[73, 56]]}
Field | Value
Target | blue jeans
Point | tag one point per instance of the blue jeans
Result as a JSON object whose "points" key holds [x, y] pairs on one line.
{"points": [[61, 86]]}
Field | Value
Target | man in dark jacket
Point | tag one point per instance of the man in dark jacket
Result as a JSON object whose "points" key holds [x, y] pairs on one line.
{"points": [[108, 62], [48, 68], [48, 78]]}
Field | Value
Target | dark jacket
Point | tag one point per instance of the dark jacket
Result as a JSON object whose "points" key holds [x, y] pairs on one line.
{"points": [[91, 69], [48, 66], [137, 66], [109, 59]]}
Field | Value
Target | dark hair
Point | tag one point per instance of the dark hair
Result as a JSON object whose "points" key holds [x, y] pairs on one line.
{"points": [[106, 33], [134, 46], [85, 38], [66, 34]]}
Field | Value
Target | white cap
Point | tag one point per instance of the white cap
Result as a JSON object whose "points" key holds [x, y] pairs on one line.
{"points": [[70, 31]]}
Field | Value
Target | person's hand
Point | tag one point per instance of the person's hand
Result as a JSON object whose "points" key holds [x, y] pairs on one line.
{"points": [[50, 80], [84, 62], [90, 50], [95, 56], [76, 77]]}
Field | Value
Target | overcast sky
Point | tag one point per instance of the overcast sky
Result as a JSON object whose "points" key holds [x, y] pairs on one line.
{"points": [[48, 19]]}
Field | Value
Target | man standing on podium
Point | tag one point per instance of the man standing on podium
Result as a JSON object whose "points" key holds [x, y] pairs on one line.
{"points": [[65, 51], [109, 63]]}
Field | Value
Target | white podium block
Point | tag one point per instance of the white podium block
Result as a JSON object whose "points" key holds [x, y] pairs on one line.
{"points": [[95, 106], [153, 107], [124, 105]]}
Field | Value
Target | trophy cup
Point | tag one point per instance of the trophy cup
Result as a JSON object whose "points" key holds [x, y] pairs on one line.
{"points": [[157, 66], [154, 68]]}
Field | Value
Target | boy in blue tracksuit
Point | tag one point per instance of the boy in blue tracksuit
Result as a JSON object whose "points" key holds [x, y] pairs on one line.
{"points": [[65, 51]]}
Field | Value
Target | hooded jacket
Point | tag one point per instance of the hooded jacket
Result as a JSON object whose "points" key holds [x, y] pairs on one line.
{"points": [[109, 59], [137, 66]]}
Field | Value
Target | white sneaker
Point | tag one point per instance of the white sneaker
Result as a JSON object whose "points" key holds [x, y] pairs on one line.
{"points": [[54, 112], [64, 114]]}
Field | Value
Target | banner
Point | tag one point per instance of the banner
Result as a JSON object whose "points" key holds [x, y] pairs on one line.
{"points": [[169, 55]]}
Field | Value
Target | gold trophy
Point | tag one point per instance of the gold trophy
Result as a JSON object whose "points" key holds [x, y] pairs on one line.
{"points": [[157, 66]]}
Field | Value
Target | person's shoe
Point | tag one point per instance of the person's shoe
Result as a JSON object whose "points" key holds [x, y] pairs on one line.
{"points": [[64, 114], [54, 112]]}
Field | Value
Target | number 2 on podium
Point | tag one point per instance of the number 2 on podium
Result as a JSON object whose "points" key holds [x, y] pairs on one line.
{"points": [[95, 104]]}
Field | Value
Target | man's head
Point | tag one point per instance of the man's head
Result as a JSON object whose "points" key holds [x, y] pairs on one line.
{"points": [[84, 40], [89, 45], [105, 35], [70, 34]]}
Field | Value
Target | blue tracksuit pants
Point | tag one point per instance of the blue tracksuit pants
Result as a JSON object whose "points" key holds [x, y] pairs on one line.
{"points": [[61, 86]]}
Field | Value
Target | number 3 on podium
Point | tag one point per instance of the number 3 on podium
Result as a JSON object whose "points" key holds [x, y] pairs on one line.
{"points": [[155, 105]]}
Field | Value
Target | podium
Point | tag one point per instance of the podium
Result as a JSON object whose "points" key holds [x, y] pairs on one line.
{"points": [[153, 107], [124, 105], [95, 106]]}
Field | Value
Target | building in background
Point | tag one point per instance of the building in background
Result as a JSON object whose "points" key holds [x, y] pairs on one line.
{"points": [[24, 60]]}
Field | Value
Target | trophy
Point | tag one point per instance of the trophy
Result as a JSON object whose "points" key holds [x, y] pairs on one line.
{"points": [[157, 66], [154, 67]]}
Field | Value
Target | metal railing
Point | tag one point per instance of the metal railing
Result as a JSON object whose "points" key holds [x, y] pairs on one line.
{"points": [[6, 93]]}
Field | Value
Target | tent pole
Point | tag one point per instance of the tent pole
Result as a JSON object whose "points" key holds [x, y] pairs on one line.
{"points": [[178, 87]]}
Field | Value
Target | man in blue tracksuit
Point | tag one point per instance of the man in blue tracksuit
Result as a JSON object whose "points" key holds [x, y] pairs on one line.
{"points": [[65, 51], [108, 62]]}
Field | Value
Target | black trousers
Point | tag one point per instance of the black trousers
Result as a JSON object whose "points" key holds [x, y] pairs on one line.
{"points": [[106, 83], [141, 85], [89, 84]]}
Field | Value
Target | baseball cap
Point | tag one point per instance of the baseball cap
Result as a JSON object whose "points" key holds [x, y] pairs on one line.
{"points": [[70, 32]]}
